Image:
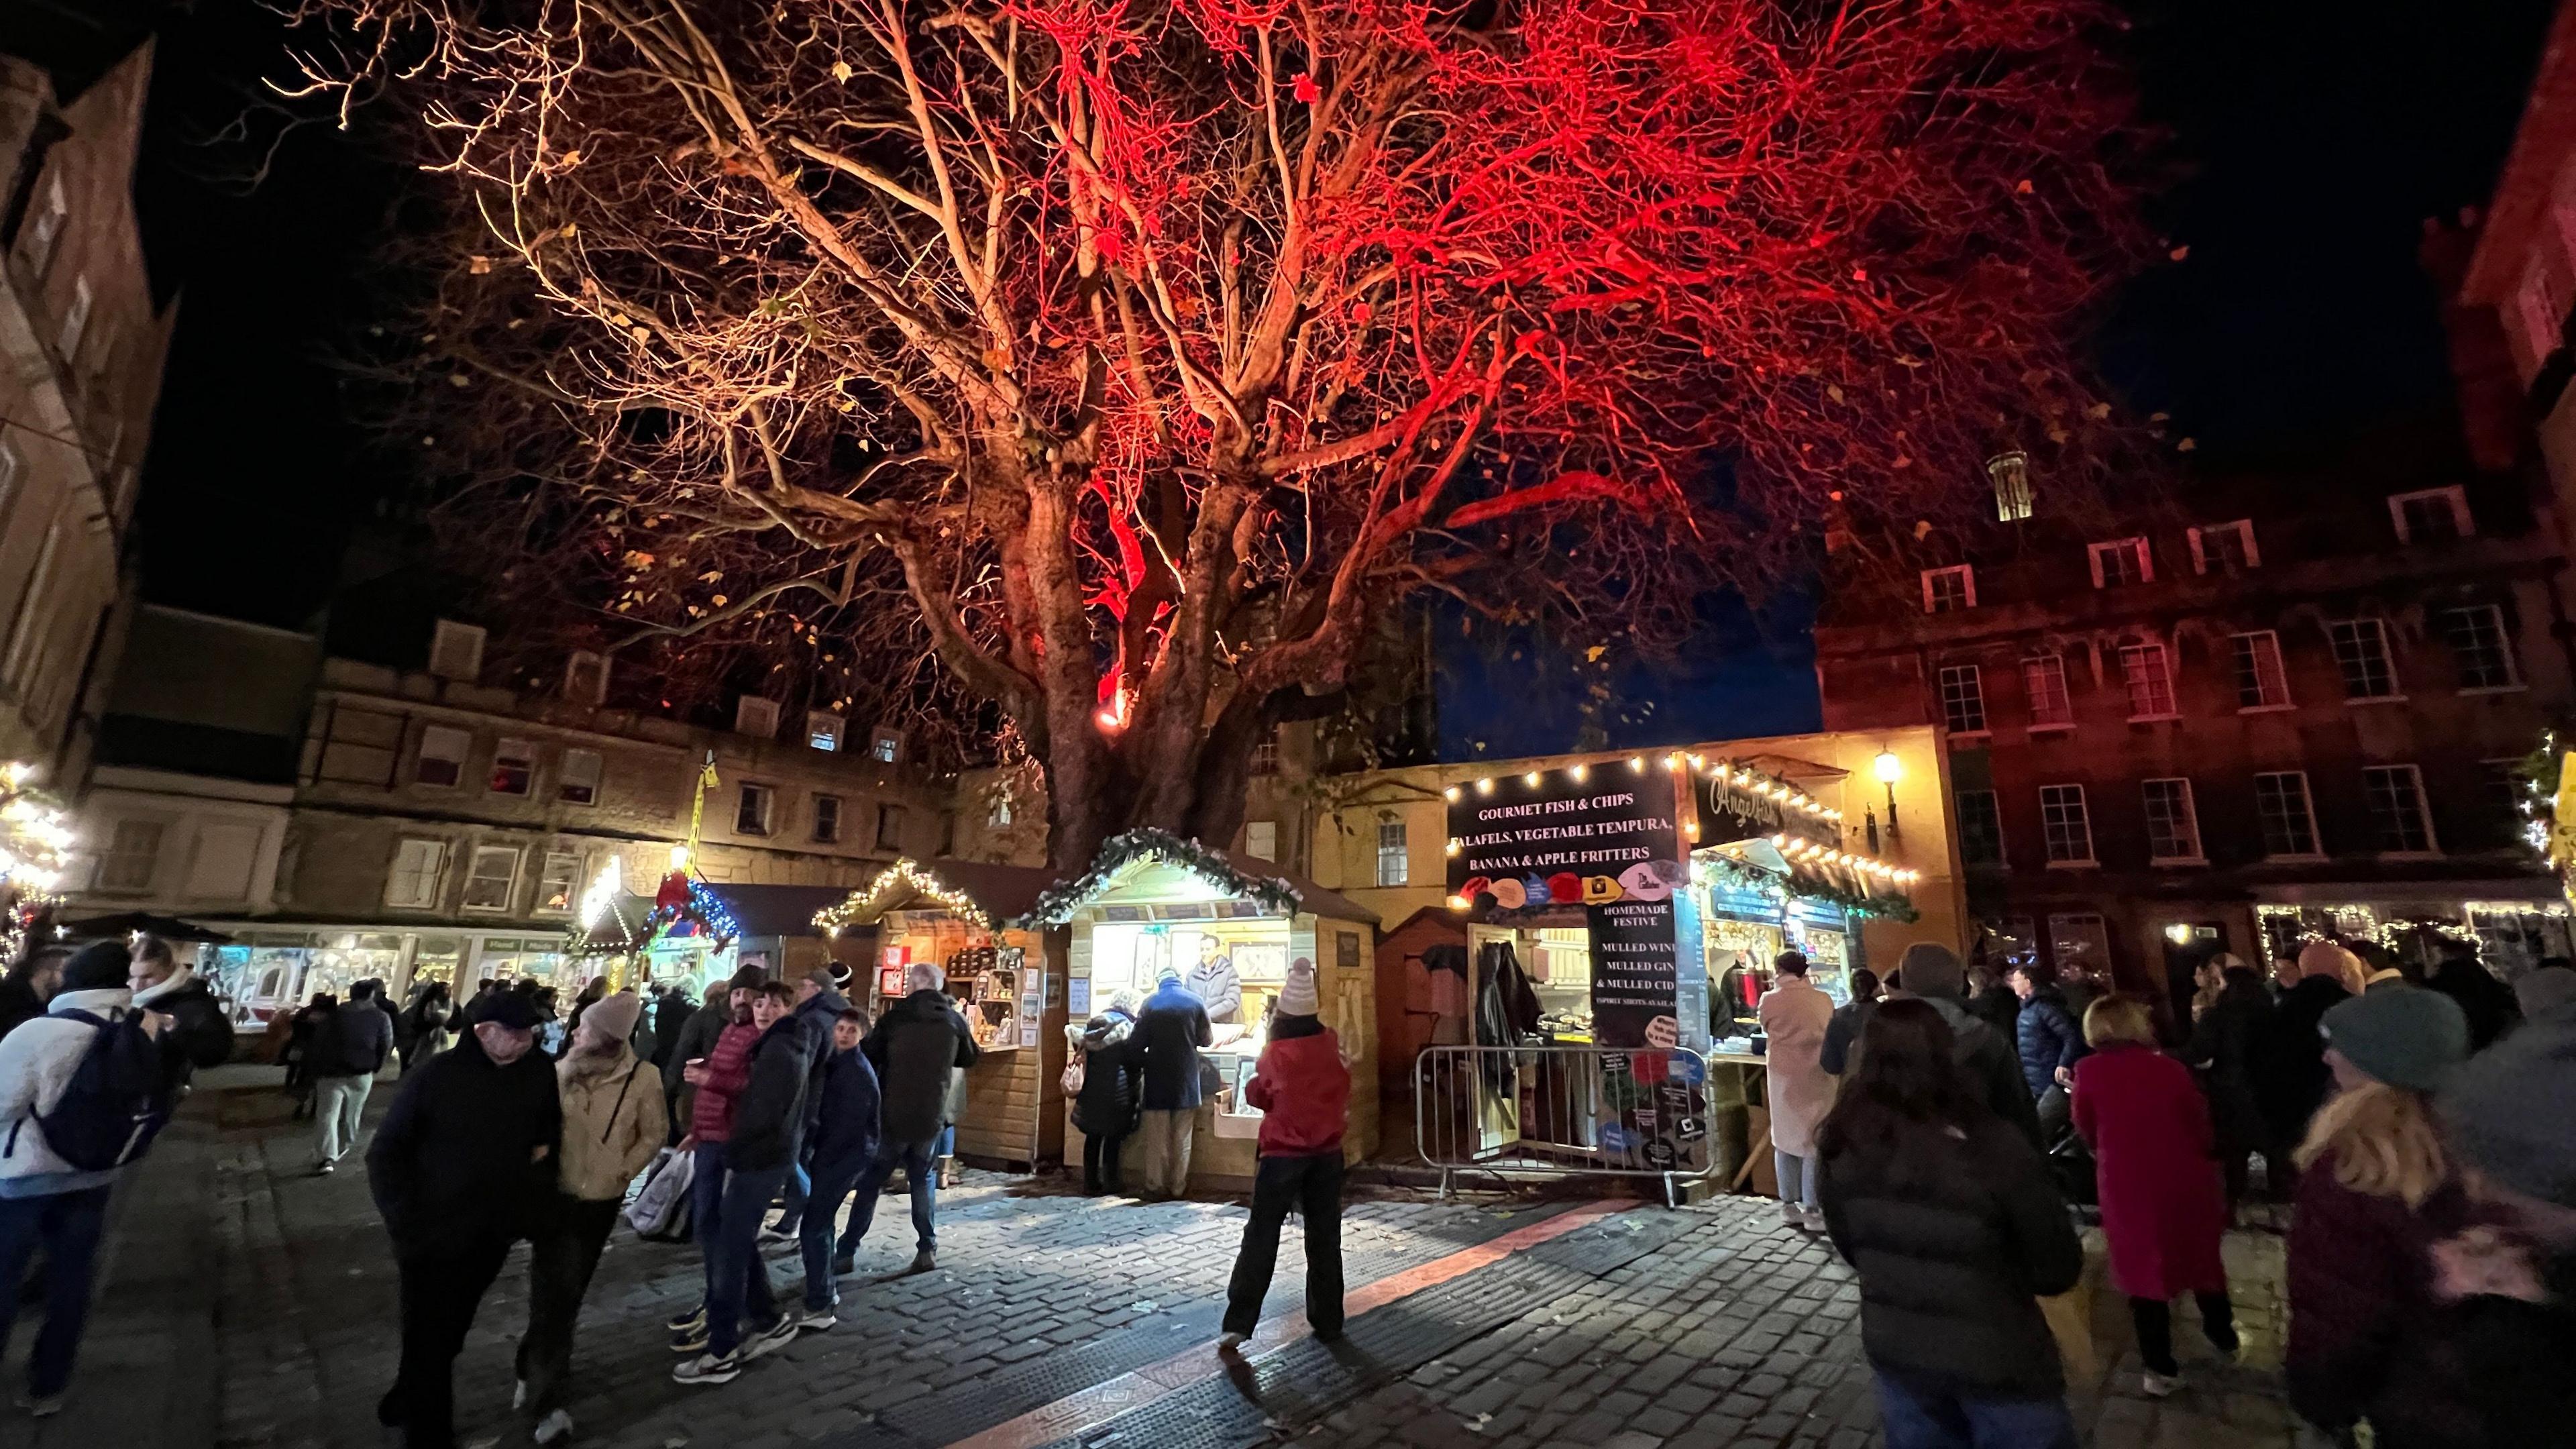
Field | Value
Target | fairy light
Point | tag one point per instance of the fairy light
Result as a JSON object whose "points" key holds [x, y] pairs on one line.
{"points": [[1484, 787], [904, 877], [1450, 794]]}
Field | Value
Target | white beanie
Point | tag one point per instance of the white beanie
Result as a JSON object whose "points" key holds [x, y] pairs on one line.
{"points": [[1299, 997]]}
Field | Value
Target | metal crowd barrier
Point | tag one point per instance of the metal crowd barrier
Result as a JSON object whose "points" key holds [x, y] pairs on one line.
{"points": [[1562, 1110]]}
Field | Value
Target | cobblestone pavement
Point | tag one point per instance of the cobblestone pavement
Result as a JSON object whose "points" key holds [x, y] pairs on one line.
{"points": [[251, 1303]]}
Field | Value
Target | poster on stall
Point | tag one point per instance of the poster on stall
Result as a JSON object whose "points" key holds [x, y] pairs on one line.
{"points": [[1078, 996]]}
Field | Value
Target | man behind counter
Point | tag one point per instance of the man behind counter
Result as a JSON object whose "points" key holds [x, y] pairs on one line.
{"points": [[1214, 982]]}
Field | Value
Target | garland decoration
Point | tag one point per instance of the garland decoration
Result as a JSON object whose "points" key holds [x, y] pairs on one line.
{"points": [[1057, 903], [904, 879], [33, 836], [1808, 881]]}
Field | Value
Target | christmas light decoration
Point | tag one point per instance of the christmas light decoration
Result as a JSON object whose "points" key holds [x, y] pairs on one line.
{"points": [[1057, 903], [33, 836], [902, 880]]}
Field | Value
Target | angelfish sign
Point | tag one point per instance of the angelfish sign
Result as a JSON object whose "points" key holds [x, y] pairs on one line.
{"points": [[1606, 837]]}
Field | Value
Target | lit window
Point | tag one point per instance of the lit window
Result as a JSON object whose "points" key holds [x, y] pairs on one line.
{"points": [[2122, 561], [751, 810], [1963, 700], [2361, 653], [1394, 860], [2543, 308], [132, 853], [2065, 825], [2476, 637], [514, 767], [2288, 819], [756, 717], [557, 882], [2043, 678], [580, 785], [493, 879], [2149, 673], [1265, 755], [414, 881], [2399, 822], [827, 818], [2173, 826], [890, 827], [1261, 839], [2079, 943], [1949, 590], [1000, 814], [2435, 515], [2225, 548], [886, 747], [2261, 683], [823, 731], [2502, 790], [1981, 828], [442, 755]]}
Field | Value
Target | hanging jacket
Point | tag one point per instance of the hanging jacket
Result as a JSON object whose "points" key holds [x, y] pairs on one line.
{"points": [[1112, 1075], [1303, 1090], [1170, 1031], [2049, 1038], [914, 1046], [769, 1115]]}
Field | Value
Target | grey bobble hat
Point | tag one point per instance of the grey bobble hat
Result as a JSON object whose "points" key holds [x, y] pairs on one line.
{"points": [[2511, 1112], [2406, 1036]]}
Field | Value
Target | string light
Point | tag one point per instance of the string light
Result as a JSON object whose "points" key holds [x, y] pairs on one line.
{"points": [[33, 836], [904, 877]]}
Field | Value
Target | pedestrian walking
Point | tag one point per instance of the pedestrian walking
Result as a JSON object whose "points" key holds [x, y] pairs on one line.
{"points": [[914, 1047], [1302, 1087], [200, 1033], [2051, 1041], [1950, 1220], [2226, 1045], [1795, 1016], [298, 1055], [32, 982], [2164, 1204], [842, 1144], [1106, 1107], [2487, 1002], [349, 1048], [1932, 974], [743, 1317], [428, 1021], [2376, 1192], [461, 1168], [2292, 1077], [55, 1068], [714, 1080], [611, 1102], [1170, 1031]]}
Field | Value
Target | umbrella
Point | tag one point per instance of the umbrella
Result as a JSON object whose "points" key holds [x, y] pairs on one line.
{"points": [[126, 923]]}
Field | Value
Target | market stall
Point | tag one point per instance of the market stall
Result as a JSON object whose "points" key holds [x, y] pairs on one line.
{"points": [[1230, 924], [959, 916]]}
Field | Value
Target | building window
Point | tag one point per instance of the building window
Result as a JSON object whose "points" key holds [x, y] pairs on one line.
{"points": [[46, 228], [2399, 821], [885, 747], [2502, 789], [2361, 653], [1981, 828], [751, 810], [1265, 755], [756, 717], [456, 651], [413, 884], [823, 731], [2261, 683], [2173, 826], [2435, 515], [493, 879], [2121, 561], [586, 677], [75, 321], [2225, 548], [442, 755], [947, 833], [2065, 825], [890, 827], [580, 784], [2079, 944], [514, 767], [2476, 636], [2043, 678], [557, 882], [2288, 819], [1000, 815], [132, 853], [1963, 700], [1261, 839], [1949, 590], [827, 818], [1394, 860], [2149, 672]]}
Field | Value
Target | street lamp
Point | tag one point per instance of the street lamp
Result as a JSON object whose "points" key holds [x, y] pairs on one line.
{"points": [[1889, 770]]}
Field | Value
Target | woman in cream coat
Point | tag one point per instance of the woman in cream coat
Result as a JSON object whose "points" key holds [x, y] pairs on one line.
{"points": [[1794, 1017]]}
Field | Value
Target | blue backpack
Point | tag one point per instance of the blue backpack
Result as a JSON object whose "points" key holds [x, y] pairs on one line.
{"points": [[112, 1108]]}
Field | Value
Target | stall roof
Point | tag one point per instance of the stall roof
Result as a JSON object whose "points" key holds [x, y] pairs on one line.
{"points": [[1001, 892], [1226, 870], [1810, 878]]}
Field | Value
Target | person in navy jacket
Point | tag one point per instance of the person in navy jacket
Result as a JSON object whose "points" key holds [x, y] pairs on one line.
{"points": [[1303, 1088], [844, 1142]]}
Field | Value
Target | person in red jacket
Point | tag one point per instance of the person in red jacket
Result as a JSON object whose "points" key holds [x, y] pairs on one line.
{"points": [[1303, 1088], [2164, 1201]]}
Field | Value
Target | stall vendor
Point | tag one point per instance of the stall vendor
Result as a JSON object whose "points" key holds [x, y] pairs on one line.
{"points": [[1213, 981]]}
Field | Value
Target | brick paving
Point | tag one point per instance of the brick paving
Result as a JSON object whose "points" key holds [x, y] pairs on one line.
{"points": [[250, 1303]]}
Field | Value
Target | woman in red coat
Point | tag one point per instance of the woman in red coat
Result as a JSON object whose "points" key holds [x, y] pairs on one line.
{"points": [[2164, 1205]]}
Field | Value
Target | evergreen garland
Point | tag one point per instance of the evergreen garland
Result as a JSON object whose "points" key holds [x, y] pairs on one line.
{"points": [[1730, 871], [1057, 903]]}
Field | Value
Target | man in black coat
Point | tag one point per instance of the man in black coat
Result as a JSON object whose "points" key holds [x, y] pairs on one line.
{"points": [[2487, 1002], [459, 1169], [200, 1034], [2291, 1075], [1931, 972], [914, 1046], [672, 1009], [743, 1317]]}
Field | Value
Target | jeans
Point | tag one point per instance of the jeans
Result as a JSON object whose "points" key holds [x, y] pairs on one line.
{"points": [[441, 1289], [814, 1229], [1797, 1177], [791, 1203], [1313, 1185], [741, 1283], [947, 1141], [2153, 1318], [561, 1257], [1916, 1420], [1167, 1151], [915, 1160], [706, 1208], [68, 1225], [341, 1101], [1100, 1162]]}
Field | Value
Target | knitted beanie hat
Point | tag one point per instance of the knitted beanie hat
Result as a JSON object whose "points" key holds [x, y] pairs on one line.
{"points": [[1299, 997], [614, 1016], [2407, 1037], [98, 966]]}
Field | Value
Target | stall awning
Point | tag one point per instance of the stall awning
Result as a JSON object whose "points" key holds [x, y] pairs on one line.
{"points": [[1803, 871], [984, 893], [1225, 871]]}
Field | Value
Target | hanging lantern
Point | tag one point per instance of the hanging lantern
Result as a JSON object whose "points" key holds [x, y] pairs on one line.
{"points": [[2011, 474]]}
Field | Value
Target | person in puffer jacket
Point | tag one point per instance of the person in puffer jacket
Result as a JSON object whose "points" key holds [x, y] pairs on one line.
{"points": [[1113, 1083], [1303, 1088], [839, 1148]]}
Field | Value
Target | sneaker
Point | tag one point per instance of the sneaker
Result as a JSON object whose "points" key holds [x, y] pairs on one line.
{"points": [[694, 1318], [844, 1264], [777, 1336], [1813, 1220], [818, 1320], [773, 1235], [1232, 1343], [706, 1368], [557, 1425], [325, 1169], [2158, 1386], [924, 1261], [690, 1340], [1789, 1214]]}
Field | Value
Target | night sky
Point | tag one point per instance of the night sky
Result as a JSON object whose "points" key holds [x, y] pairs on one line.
{"points": [[2312, 144]]}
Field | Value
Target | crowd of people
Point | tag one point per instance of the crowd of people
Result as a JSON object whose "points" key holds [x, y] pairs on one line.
{"points": [[2418, 1116]]}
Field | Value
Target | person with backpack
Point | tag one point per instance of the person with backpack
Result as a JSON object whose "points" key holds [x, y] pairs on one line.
{"points": [[80, 1096], [348, 1050], [1105, 1104]]}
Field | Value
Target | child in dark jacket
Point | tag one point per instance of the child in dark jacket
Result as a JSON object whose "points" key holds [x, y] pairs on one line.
{"points": [[1303, 1088], [844, 1143]]}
